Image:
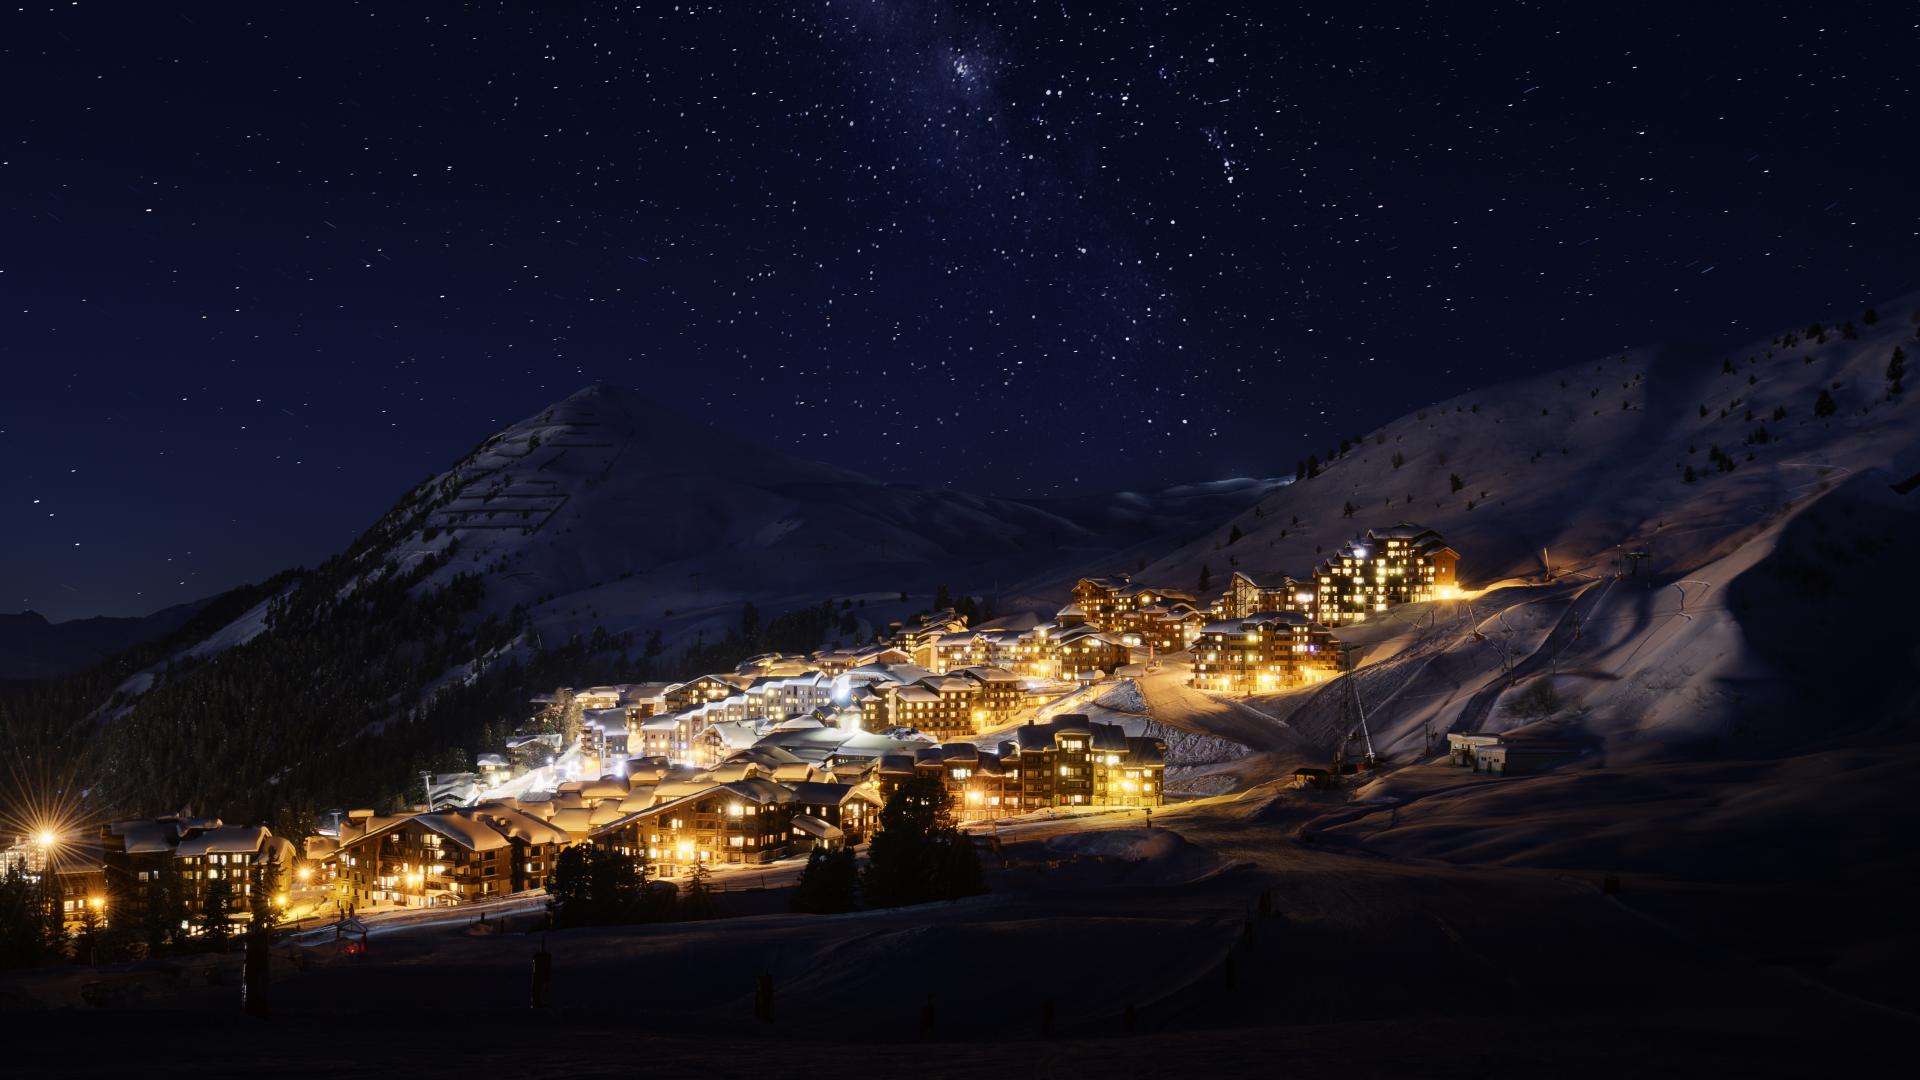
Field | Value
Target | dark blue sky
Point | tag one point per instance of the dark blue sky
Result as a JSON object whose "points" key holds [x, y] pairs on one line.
{"points": [[263, 267]]}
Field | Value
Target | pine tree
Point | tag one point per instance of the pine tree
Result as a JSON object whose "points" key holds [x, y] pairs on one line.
{"points": [[918, 855], [696, 900], [216, 914], [24, 937], [1689, 476], [1399, 459], [1348, 509], [1234, 534], [1870, 317], [1206, 577], [829, 885], [157, 922], [1823, 406], [1897, 371], [594, 886], [1454, 483]]}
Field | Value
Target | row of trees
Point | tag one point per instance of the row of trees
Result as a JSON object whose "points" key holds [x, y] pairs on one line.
{"points": [[918, 856], [133, 922]]}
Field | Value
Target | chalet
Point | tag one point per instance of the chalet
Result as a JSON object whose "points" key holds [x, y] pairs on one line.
{"points": [[493, 768], [1245, 596], [668, 736], [599, 697], [1084, 648], [137, 859], [941, 706], [701, 690], [1106, 603], [533, 750], [1001, 694], [952, 651], [82, 888], [915, 636], [1067, 761], [1265, 651], [1165, 626], [1405, 563], [746, 821], [852, 809], [448, 857], [1137, 777], [645, 699], [836, 662], [604, 732], [234, 853]]}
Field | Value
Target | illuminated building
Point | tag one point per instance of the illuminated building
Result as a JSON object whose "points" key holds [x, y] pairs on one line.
{"points": [[1244, 596], [446, 857], [1066, 761], [1108, 603], [744, 821], [1386, 567], [1268, 650]]}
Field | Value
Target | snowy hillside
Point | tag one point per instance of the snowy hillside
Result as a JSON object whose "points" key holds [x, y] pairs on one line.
{"points": [[609, 509], [1587, 460], [1755, 513]]}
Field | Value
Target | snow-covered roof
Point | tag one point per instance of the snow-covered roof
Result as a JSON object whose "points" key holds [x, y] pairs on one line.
{"points": [[1256, 621], [468, 833], [146, 837], [808, 825], [227, 840], [990, 674], [575, 820]]}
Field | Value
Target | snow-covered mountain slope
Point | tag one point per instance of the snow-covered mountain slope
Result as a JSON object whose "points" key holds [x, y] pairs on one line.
{"points": [[609, 509], [1570, 467], [1770, 611]]}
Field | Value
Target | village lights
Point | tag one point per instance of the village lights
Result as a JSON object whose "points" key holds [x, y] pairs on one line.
{"points": [[96, 903], [47, 838], [305, 874]]}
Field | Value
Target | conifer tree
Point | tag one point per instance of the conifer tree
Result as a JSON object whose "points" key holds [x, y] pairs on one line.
{"points": [[829, 885], [216, 915], [918, 855], [696, 900]]}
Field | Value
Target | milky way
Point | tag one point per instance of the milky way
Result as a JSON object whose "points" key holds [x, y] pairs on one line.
{"points": [[261, 271]]}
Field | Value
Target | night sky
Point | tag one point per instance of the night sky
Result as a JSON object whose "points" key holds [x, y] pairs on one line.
{"points": [[262, 270]]}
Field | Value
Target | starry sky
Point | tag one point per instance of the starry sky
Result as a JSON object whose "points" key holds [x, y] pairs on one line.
{"points": [[263, 266]]}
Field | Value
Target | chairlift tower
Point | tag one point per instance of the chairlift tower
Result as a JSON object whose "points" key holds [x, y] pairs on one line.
{"points": [[1360, 711]]}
